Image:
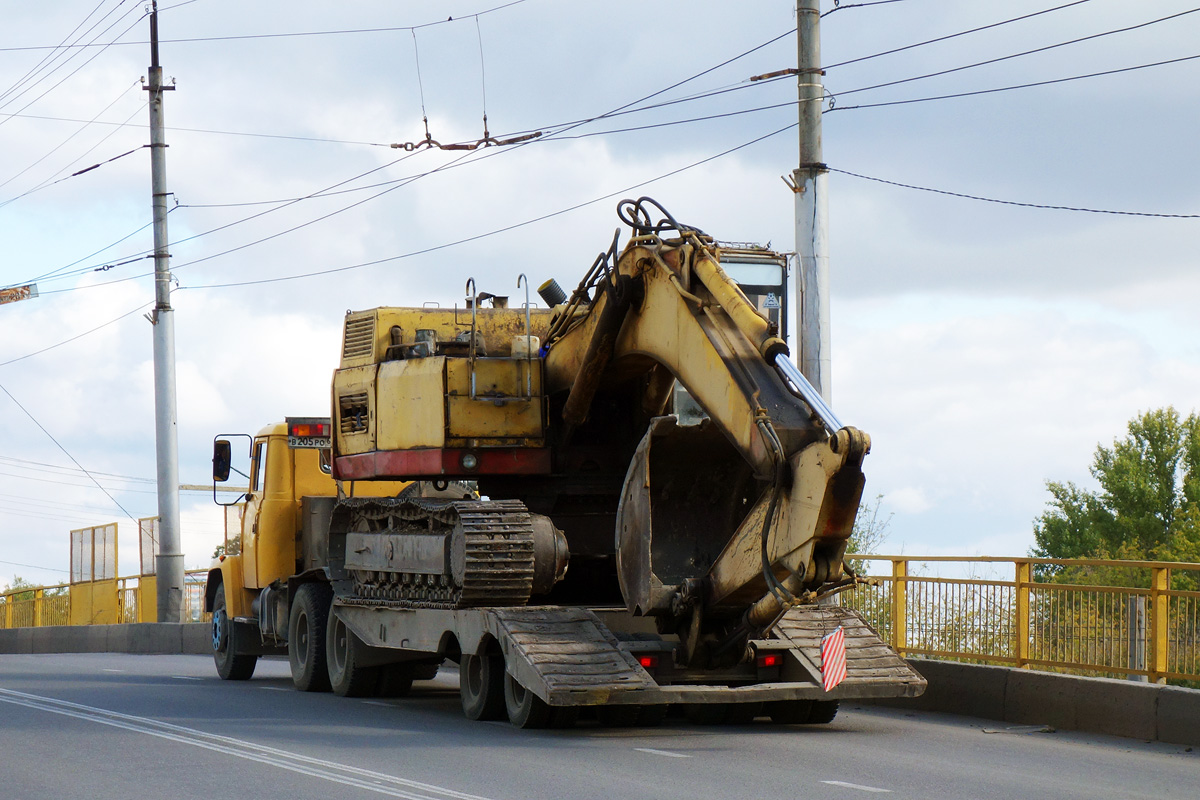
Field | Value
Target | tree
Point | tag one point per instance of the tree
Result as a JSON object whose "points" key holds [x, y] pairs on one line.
{"points": [[870, 531], [17, 585], [1148, 500], [1147, 508]]}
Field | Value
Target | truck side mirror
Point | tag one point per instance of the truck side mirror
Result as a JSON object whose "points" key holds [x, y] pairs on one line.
{"points": [[222, 458]]}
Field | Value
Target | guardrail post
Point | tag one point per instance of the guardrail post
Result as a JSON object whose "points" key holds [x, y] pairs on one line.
{"points": [[1160, 582], [1024, 578], [899, 605], [38, 595]]}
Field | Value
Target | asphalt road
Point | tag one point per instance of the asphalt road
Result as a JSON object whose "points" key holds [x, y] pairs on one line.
{"points": [[117, 726]]}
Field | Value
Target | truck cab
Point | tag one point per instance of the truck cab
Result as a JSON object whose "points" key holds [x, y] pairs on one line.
{"points": [[287, 465]]}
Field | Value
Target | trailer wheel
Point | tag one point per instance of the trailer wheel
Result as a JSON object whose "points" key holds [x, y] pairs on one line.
{"points": [[481, 686], [347, 677], [789, 712], [823, 712], [707, 713], [651, 716], [743, 713], [623, 716], [306, 637], [231, 665], [395, 680], [525, 709]]}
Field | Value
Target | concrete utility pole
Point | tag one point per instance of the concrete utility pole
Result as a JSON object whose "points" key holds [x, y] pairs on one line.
{"points": [[810, 180], [169, 562]]}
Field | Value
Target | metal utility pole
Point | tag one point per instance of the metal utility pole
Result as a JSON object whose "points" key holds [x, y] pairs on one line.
{"points": [[810, 180], [169, 562]]}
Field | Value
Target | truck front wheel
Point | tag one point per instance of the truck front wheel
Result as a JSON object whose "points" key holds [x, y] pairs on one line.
{"points": [[306, 637], [231, 665]]}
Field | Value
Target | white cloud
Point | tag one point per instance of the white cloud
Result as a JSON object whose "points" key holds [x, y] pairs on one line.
{"points": [[985, 348]]}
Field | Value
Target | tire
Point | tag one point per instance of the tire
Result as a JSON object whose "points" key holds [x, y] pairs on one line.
{"points": [[619, 716], [394, 680], [481, 686], [743, 713], [823, 712], [707, 713], [651, 716], [306, 637], [231, 665], [789, 712], [343, 652], [525, 709]]}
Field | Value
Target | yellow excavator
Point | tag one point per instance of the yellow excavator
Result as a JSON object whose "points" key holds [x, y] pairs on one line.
{"points": [[628, 500]]}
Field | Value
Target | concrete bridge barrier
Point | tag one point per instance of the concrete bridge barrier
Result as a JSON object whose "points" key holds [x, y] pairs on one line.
{"points": [[1068, 702], [141, 637]]}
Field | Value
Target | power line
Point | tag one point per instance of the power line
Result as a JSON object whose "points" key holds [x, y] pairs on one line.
{"points": [[504, 229], [1013, 202], [61, 46], [1017, 86], [79, 485], [1019, 55], [41, 466], [76, 174], [955, 35], [76, 336], [405, 181], [73, 72], [65, 451], [34, 566], [837, 6], [299, 34]]}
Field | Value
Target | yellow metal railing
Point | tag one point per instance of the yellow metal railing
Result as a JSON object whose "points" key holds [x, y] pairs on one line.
{"points": [[28, 608], [134, 601], [1117, 618]]}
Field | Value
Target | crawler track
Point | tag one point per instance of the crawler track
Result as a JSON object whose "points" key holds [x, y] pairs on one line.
{"points": [[491, 543]]}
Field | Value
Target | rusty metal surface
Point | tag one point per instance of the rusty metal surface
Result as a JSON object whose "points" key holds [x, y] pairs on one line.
{"points": [[870, 663], [567, 656], [489, 547]]}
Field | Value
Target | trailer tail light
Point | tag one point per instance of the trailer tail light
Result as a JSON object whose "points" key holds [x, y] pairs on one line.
{"points": [[648, 662], [770, 660]]}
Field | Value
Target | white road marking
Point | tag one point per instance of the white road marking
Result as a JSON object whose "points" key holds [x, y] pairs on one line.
{"points": [[858, 786], [186, 678], [667, 753], [274, 689], [111, 670], [331, 771], [377, 703]]}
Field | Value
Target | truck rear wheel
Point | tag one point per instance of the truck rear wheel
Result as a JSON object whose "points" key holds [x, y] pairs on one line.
{"points": [[231, 665], [481, 686], [347, 677], [306, 637]]}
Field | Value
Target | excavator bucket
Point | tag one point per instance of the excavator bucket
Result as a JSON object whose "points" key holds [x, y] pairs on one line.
{"points": [[686, 493], [691, 511]]}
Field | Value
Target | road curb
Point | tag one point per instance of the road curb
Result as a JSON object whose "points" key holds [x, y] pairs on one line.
{"points": [[1068, 702]]}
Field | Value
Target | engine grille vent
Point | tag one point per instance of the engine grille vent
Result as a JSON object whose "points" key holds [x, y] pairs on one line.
{"points": [[354, 412], [359, 341]]}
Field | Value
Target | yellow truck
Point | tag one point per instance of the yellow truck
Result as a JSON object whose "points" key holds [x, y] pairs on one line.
{"points": [[627, 500]]}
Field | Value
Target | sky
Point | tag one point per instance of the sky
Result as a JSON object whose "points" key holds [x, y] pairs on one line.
{"points": [[986, 347]]}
